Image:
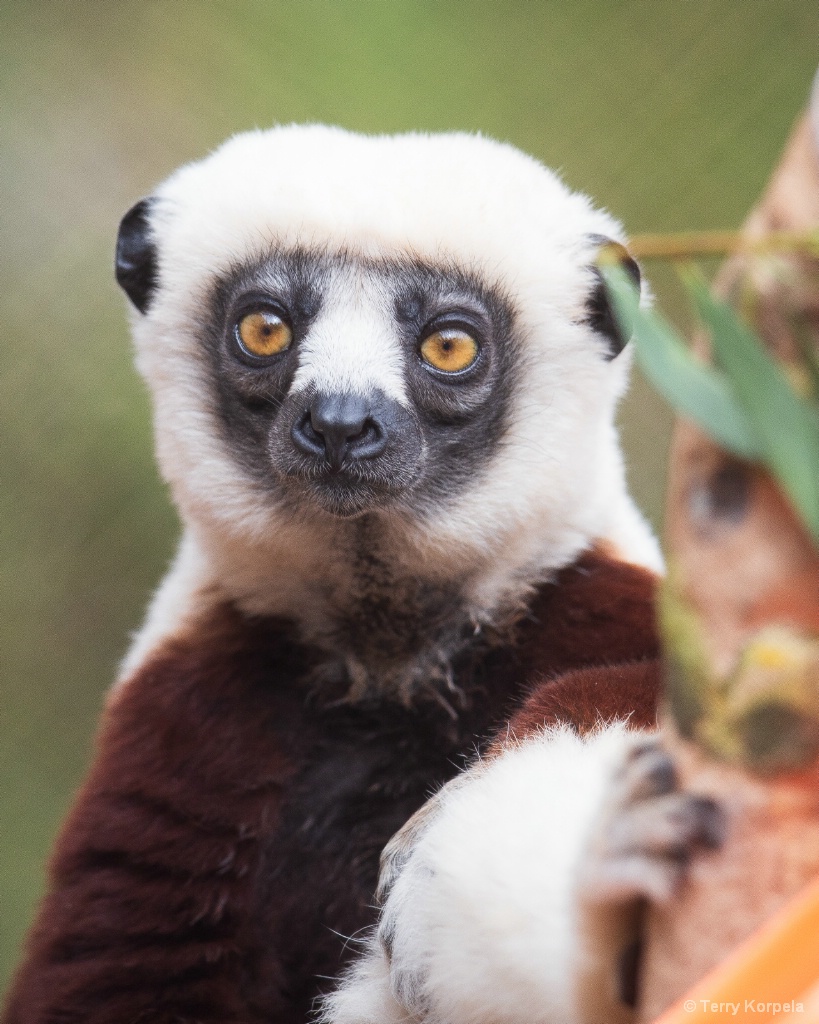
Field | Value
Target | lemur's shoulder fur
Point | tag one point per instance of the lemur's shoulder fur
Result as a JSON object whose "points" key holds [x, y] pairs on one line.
{"points": [[386, 553]]}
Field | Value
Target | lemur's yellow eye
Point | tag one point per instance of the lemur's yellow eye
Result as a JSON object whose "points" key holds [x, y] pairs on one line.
{"points": [[449, 350], [263, 333]]}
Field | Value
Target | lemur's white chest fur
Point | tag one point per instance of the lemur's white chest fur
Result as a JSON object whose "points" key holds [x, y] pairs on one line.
{"points": [[430, 434]]}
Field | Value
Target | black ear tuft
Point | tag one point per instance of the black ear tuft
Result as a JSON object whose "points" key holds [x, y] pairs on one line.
{"points": [[600, 316], [136, 262]]}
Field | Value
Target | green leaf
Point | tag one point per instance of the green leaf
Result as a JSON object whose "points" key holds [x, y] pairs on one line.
{"points": [[807, 349], [787, 427], [694, 389]]}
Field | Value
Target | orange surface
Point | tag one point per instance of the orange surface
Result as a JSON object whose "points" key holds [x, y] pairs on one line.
{"points": [[773, 976]]}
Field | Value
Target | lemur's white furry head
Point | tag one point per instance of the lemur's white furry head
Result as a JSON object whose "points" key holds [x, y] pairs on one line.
{"points": [[383, 337]]}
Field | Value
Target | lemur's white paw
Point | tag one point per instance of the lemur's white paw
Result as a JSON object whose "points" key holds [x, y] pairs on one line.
{"points": [[403, 860], [400, 848], [480, 919], [649, 832]]}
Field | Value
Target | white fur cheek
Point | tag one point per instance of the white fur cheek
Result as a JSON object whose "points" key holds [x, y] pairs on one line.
{"points": [[561, 460], [210, 487], [484, 918]]}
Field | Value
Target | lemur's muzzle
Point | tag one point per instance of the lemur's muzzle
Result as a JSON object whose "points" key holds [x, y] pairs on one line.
{"points": [[343, 429], [353, 452]]}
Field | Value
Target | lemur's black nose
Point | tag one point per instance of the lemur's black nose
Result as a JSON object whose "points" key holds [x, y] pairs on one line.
{"points": [[340, 427]]}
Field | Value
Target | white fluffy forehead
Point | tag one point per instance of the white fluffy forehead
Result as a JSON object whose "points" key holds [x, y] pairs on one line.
{"points": [[437, 197]]}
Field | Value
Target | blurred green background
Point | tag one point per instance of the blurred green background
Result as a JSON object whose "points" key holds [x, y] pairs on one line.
{"points": [[669, 113]]}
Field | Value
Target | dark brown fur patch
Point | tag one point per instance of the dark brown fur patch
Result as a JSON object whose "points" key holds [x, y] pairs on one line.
{"points": [[227, 837]]}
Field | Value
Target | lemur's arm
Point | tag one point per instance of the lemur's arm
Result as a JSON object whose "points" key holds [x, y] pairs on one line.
{"points": [[514, 894], [481, 921], [480, 917]]}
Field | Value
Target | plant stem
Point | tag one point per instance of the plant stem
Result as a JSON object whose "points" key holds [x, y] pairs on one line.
{"points": [[697, 244]]}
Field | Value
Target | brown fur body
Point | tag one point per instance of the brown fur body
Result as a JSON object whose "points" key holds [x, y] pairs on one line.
{"points": [[227, 839]]}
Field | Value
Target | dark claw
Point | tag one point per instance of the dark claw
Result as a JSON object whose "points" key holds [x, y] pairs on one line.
{"points": [[701, 823], [655, 771], [628, 973], [712, 824], [661, 776]]}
